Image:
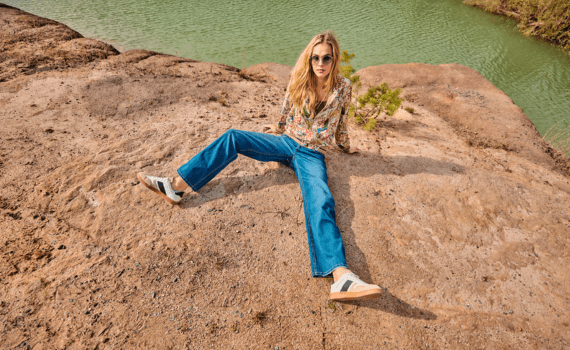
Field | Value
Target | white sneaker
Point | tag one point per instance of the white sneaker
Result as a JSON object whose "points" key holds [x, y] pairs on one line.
{"points": [[350, 287], [162, 186]]}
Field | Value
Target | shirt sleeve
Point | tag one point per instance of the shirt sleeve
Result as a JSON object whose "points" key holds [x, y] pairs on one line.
{"points": [[341, 134], [284, 113]]}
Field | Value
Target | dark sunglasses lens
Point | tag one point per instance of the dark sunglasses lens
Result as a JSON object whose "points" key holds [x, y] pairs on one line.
{"points": [[326, 59]]}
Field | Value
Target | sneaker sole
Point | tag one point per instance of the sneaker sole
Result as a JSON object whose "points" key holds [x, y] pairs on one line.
{"points": [[364, 295], [141, 179]]}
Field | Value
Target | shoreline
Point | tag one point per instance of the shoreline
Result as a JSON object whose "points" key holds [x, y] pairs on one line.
{"points": [[544, 24]]}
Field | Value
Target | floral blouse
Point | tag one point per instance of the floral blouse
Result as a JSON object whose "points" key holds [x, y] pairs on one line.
{"points": [[317, 132]]}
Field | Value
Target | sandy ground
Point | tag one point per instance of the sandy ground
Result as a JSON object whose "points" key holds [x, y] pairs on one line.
{"points": [[459, 210]]}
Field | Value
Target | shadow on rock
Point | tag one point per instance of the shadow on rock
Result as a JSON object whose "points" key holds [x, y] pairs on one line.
{"points": [[392, 304], [235, 185]]}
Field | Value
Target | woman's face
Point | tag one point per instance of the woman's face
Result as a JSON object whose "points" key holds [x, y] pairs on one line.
{"points": [[323, 52]]}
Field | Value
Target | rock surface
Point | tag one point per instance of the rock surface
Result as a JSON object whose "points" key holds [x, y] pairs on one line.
{"points": [[458, 210]]}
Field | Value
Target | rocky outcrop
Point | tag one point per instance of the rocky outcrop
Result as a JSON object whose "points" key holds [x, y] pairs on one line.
{"points": [[31, 44], [455, 209]]}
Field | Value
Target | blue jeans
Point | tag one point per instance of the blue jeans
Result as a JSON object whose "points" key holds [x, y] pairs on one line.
{"points": [[325, 243]]}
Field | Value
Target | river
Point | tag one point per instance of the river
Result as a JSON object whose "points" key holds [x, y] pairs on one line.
{"points": [[535, 74]]}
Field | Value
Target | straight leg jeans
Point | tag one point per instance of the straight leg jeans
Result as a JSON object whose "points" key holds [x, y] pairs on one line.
{"points": [[325, 242]]}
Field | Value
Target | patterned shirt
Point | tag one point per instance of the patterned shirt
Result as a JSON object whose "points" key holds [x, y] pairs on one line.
{"points": [[317, 132]]}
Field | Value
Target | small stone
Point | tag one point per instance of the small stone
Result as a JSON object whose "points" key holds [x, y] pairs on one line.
{"points": [[190, 308], [61, 247], [241, 315], [510, 311], [276, 348], [158, 278], [152, 294]]}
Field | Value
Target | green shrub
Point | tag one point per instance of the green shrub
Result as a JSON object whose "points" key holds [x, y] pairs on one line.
{"points": [[409, 110], [376, 100]]}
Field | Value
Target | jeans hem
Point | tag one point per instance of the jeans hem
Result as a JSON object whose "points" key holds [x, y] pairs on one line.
{"points": [[185, 180], [329, 272]]}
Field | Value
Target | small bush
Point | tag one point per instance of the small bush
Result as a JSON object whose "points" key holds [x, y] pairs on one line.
{"points": [[409, 110], [376, 100]]}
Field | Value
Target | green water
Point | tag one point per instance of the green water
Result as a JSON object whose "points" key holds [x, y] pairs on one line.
{"points": [[241, 33]]}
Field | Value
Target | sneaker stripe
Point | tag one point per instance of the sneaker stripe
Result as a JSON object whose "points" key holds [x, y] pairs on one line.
{"points": [[161, 187], [179, 194], [345, 286]]}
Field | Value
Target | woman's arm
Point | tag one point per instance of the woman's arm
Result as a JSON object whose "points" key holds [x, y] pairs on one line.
{"points": [[341, 133], [284, 113]]}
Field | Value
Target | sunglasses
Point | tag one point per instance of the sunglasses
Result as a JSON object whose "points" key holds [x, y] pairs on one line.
{"points": [[326, 59]]}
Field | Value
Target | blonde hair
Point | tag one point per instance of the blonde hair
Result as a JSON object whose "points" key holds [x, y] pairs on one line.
{"points": [[303, 83]]}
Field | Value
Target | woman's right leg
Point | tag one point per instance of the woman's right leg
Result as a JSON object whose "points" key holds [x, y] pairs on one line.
{"points": [[204, 166]]}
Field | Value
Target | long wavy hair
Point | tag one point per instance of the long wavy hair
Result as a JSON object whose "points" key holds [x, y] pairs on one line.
{"points": [[303, 83]]}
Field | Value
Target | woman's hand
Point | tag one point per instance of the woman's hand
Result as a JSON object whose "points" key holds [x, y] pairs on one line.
{"points": [[271, 129]]}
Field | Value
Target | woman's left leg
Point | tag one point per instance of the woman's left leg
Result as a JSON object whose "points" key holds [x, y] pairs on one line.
{"points": [[325, 242]]}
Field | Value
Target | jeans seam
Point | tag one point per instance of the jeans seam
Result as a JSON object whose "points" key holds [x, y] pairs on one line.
{"points": [[307, 219], [265, 154]]}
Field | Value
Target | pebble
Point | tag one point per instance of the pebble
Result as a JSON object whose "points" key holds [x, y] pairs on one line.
{"points": [[190, 308], [241, 315], [152, 294], [510, 311]]}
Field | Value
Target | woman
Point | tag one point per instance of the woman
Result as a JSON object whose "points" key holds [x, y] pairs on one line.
{"points": [[315, 110]]}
